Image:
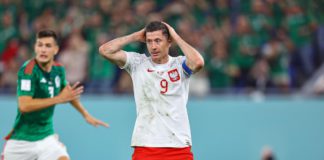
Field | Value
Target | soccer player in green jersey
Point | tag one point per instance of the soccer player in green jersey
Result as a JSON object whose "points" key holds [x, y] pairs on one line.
{"points": [[42, 85]]}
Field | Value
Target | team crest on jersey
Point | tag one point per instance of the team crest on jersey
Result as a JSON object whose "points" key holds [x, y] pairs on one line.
{"points": [[57, 81], [174, 75]]}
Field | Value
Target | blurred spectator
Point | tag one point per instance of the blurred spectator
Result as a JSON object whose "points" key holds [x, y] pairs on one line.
{"points": [[73, 20], [260, 76], [261, 19], [244, 46], [10, 51], [221, 11], [320, 44], [276, 54], [45, 20], [220, 71], [74, 58], [300, 28], [23, 54], [7, 29], [101, 72]]}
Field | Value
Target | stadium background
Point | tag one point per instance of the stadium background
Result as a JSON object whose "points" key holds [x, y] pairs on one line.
{"points": [[261, 86]]}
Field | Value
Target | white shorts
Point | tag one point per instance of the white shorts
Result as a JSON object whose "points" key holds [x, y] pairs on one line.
{"points": [[49, 148]]}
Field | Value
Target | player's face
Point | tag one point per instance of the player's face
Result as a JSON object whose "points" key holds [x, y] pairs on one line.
{"points": [[45, 48], [158, 46]]}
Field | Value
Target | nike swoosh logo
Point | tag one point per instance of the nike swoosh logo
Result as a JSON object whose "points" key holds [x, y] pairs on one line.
{"points": [[149, 70]]}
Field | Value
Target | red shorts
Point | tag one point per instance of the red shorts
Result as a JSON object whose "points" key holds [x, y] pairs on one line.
{"points": [[155, 153]]}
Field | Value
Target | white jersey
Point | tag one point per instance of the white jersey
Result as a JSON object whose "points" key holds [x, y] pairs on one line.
{"points": [[161, 94]]}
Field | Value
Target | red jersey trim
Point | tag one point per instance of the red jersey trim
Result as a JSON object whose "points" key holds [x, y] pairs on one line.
{"points": [[57, 64], [9, 135], [30, 66]]}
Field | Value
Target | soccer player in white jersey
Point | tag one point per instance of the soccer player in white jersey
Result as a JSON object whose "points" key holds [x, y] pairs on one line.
{"points": [[161, 85]]}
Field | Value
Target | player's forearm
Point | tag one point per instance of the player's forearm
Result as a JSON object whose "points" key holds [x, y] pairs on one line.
{"points": [[79, 107], [28, 104], [193, 58], [116, 45]]}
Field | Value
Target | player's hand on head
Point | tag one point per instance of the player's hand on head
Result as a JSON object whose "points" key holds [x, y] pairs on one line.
{"points": [[171, 30], [95, 122], [140, 35], [70, 93]]}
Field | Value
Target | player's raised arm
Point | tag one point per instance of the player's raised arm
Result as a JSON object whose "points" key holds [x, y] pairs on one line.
{"points": [[194, 60], [112, 49]]}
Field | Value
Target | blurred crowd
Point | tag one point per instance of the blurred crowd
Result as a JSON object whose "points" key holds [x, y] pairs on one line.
{"points": [[266, 45]]}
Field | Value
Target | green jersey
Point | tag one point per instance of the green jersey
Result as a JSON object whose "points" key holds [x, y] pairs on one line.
{"points": [[34, 82]]}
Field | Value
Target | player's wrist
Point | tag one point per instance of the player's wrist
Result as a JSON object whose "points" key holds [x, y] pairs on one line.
{"points": [[133, 37], [176, 37], [58, 99], [86, 114]]}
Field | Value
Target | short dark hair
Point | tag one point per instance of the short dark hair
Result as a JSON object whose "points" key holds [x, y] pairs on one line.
{"points": [[48, 33], [156, 26]]}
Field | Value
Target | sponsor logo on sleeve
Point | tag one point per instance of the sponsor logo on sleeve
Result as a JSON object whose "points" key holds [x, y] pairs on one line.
{"points": [[25, 85]]}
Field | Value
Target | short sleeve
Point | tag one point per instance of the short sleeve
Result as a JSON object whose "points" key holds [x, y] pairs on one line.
{"points": [[64, 82], [181, 60], [133, 60], [26, 84]]}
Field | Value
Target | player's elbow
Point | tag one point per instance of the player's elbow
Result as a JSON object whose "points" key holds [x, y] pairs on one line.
{"points": [[199, 64], [105, 50], [102, 50], [24, 104]]}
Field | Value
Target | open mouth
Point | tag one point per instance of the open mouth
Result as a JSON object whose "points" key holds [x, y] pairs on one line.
{"points": [[43, 56], [154, 54]]}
